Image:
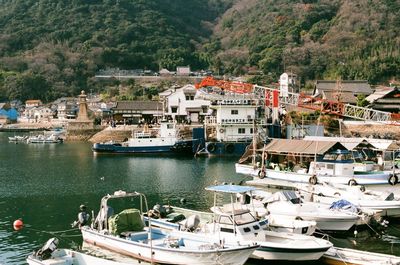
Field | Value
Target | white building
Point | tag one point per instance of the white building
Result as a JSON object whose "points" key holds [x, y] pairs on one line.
{"points": [[38, 113], [183, 70], [233, 120], [182, 104]]}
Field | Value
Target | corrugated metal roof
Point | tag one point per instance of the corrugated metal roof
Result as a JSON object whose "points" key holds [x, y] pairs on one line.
{"points": [[302, 146], [379, 93], [349, 143], [355, 86]]}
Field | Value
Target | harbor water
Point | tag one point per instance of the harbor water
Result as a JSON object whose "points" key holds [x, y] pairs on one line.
{"points": [[44, 184]]}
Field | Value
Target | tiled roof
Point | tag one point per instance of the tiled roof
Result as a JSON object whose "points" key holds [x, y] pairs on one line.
{"points": [[138, 105], [355, 86]]}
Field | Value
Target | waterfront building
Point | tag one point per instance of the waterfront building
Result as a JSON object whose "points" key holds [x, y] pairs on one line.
{"points": [[134, 112], [182, 104]]}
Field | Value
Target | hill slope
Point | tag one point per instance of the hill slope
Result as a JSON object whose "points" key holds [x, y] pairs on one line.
{"points": [[52, 48], [348, 39], [62, 43]]}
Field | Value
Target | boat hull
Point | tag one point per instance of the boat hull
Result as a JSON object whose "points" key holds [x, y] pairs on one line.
{"points": [[166, 256], [66, 257], [377, 182], [225, 148], [184, 147], [341, 256]]}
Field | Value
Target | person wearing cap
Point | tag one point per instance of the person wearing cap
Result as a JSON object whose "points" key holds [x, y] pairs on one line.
{"points": [[83, 217]]}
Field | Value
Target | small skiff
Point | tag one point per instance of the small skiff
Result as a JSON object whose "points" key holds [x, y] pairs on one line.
{"points": [[349, 256]]}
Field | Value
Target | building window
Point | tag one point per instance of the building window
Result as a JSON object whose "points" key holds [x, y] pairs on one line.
{"points": [[174, 109], [234, 112], [241, 130], [251, 130], [189, 97]]}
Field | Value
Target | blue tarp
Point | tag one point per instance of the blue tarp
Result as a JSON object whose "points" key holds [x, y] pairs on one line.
{"points": [[230, 188], [11, 114], [345, 205]]}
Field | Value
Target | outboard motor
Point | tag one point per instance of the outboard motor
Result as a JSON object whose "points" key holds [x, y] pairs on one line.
{"points": [[48, 248], [160, 210], [191, 223]]}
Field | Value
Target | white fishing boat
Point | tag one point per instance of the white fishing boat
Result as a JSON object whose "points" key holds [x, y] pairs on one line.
{"points": [[232, 223], [49, 254], [44, 139], [17, 138], [125, 233], [386, 202], [347, 256], [302, 161], [283, 224], [288, 204]]}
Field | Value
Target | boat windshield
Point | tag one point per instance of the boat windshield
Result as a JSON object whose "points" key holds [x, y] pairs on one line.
{"points": [[358, 157], [244, 218], [337, 157], [241, 218]]}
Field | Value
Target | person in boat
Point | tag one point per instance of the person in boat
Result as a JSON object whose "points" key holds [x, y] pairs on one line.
{"points": [[83, 217]]}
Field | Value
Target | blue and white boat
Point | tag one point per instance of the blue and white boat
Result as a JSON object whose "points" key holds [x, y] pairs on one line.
{"points": [[162, 141]]}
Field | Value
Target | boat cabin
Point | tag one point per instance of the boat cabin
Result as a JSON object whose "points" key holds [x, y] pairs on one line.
{"points": [[334, 163], [235, 219]]}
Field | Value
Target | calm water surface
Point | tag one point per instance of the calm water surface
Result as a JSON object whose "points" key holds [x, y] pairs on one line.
{"points": [[45, 184]]}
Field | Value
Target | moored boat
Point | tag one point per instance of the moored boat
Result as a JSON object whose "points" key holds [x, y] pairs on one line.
{"points": [[125, 233], [232, 224], [386, 202], [162, 141], [49, 254], [303, 161], [17, 138], [347, 256]]}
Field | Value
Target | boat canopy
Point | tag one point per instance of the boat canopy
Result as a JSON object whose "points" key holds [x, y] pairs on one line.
{"points": [[302, 147], [230, 188], [359, 142]]}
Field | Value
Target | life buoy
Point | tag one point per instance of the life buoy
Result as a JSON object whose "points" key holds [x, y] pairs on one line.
{"points": [[211, 147], [298, 218], [362, 188], [337, 194], [393, 179], [229, 148], [313, 180], [261, 174], [352, 182], [221, 130]]}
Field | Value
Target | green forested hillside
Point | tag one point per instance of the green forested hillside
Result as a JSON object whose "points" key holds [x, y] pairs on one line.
{"points": [[51, 48], [348, 39]]}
